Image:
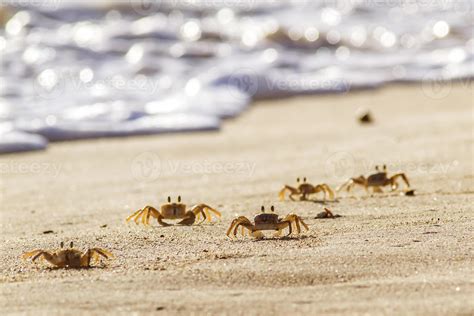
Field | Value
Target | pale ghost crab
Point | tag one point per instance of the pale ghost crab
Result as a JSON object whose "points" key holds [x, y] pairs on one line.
{"points": [[266, 221], [69, 258], [173, 211], [376, 181], [304, 189]]}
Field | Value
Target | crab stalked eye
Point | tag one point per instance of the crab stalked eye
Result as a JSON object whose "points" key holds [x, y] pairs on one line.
{"points": [[179, 198], [384, 167], [61, 244], [263, 208], [298, 180], [304, 179], [169, 199], [377, 168], [71, 244], [272, 208]]}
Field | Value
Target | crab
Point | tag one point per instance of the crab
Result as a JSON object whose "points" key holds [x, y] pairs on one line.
{"points": [[327, 214], [69, 258], [174, 211], [376, 181], [304, 189], [266, 221]]}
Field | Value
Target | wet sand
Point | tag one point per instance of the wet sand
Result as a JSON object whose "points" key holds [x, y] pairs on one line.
{"points": [[387, 254]]}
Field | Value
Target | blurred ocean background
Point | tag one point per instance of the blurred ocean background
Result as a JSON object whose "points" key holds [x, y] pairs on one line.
{"points": [[88, 69]]}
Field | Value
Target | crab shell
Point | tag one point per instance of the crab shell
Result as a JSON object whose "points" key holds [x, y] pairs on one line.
{"points": [[377, 179], [306, 188], [266, 221], [173, 210], [70, 257]]}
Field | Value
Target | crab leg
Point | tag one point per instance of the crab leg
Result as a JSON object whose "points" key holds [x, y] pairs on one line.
{"points": [[399, 175], [86, 259], [297, 223], [204, 216], [159, 218], [232, 224], [51, 258], [151, 211], [133, 215], [293, 218], [236, 228], [257, 234], [239, 221], [377, 189], [94, 254], [137, 218], [348, 185], [141, 212], [327, 190], [146, 216], [204, 209], [189, 219], [293, 191], [216, 212], [34, 253], [290, 218], [302, 222], [245, 223], [198, 217], [290, 228], [104, 253]]}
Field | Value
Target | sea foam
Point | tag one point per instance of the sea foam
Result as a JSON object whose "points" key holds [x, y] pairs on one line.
{"points": [[72, 71]]}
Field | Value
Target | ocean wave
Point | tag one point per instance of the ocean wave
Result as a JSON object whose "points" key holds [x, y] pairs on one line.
{"points": [[113, 69]]}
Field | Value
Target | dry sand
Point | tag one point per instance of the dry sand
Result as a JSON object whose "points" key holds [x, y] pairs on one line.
{"points": [[388, 254]]}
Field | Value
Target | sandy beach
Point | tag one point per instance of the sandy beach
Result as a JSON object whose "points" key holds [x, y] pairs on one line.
{"points": [[387, 254]]}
